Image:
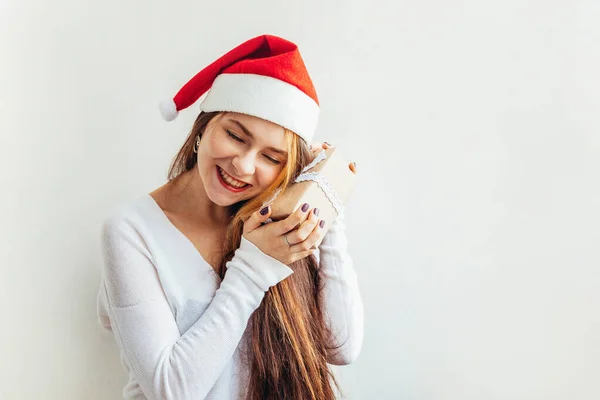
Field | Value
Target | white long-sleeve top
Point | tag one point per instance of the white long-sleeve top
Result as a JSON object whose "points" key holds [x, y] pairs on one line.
{"points": [[181, 330]]}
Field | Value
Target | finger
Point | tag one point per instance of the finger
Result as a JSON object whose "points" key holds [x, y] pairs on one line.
{"points": [[292, 221], [311, 240], [352, 167], [301, 255], [300, 234], [326, 145], [256, 219]]}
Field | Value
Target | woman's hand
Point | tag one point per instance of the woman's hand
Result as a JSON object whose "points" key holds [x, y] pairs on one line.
{"points": [[288, 240], [317, 147]]}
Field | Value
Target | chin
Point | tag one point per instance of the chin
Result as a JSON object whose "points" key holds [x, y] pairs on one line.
{"points": [[220, 200]]}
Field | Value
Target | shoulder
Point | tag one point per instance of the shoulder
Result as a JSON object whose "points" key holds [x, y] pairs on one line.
{"points": [[124, 237], [127, 219]]}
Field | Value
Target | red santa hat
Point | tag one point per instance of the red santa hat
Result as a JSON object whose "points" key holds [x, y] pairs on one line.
{"points": [[264, 77]]}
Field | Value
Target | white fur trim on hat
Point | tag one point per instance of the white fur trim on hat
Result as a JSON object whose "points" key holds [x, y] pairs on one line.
{"points": [[264, 97], [168, 109]]}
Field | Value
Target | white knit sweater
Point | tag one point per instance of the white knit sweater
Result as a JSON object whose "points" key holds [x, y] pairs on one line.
{"points": [[181, 331]]}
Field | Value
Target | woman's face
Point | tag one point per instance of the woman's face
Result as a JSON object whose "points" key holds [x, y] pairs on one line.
{"points": [[240, 156]]}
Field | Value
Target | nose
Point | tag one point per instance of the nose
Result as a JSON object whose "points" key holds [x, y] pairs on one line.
{"points": [[244, 164]]}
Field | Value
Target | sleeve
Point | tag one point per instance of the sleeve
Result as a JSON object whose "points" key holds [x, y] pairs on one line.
{"points": [[341, 299], [168, 365]]}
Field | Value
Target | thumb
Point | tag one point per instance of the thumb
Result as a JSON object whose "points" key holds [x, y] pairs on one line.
{"points": [[256, 219]]}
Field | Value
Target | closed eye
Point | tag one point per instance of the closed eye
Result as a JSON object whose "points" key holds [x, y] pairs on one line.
{"points": [[234, 136], [274, 161]]}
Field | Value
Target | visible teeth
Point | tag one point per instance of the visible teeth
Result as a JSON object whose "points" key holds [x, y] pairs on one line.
{"points": [[230, 180]]}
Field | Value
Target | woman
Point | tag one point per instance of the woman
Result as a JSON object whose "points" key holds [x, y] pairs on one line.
{"points": [[205, 295]]}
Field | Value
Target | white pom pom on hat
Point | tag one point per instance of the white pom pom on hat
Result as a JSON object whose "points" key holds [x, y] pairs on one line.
{"points": [[264, 77], [168, 109]]}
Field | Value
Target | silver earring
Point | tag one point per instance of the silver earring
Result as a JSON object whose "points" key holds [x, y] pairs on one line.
{"points": [[197, 145]]}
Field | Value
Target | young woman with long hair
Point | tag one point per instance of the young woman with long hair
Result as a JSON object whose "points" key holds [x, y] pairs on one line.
{"points": [[206, 296]]}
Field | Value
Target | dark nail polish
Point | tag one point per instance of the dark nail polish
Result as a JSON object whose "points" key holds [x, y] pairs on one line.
{"points": [[322, 224], [316, 212], [305, 207], [310, 147], [328, 144], [264, 211]]}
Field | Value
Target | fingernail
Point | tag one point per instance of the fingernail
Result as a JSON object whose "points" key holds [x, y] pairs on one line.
{"points": [[328, 144], [316, 212], [322, 224], [310, 147], [305, 207], [264, 211]]}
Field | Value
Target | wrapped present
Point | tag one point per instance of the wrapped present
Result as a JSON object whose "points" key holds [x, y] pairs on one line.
{"points": [[325, 183]]}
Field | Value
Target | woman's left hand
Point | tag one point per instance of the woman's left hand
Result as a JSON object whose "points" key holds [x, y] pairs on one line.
{"points": [[308, 235], [317, 147]]}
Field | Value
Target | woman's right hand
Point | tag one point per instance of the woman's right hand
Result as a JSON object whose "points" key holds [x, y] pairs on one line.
{"points": [[303, 227]]}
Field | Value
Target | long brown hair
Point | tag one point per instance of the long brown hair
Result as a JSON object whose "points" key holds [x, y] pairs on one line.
{"points": [[289, 338]]}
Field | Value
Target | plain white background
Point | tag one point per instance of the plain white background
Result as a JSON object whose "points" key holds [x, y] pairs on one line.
{"points": [[474, 229]]}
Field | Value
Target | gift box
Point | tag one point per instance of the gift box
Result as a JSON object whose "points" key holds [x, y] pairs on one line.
{"points": [[325, 183]]}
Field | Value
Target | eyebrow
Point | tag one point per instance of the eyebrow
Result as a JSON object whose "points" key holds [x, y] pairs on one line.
{"points": [[249, 134]]}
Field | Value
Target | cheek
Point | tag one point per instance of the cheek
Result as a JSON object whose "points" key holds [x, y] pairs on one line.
{"points": [[214, 148], [212, 145], [266, 178]]}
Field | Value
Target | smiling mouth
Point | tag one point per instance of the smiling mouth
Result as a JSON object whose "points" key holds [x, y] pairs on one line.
{"points": [[230, 182]]}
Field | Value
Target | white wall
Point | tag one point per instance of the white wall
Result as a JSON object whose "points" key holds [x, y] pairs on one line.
{"points": [[474, 230]]}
